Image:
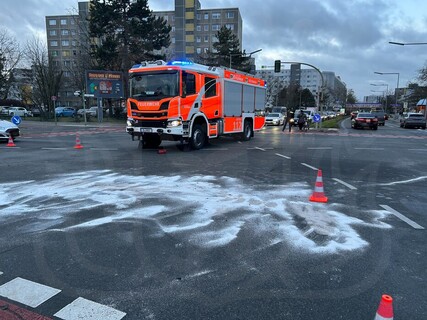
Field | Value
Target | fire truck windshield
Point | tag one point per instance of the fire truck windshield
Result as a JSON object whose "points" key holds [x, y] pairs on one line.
{"points": [[154, 85]]}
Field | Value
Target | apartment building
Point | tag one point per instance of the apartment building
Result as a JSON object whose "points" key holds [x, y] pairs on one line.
{"points": [[65, 45], [307, 78], [194, 28], [193, 32]]}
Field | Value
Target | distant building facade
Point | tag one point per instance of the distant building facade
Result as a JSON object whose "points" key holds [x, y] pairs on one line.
{"points": [[194, 29], [308, 79], [65, 43], [193, 33]]}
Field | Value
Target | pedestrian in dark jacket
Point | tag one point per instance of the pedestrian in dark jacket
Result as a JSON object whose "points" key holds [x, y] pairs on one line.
{"points": [[288, 120]]}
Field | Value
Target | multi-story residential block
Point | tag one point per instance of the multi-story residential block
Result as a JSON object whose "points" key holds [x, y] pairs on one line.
{"points": [[306, 78], [194, 29], [193, 32], [66, 42]]}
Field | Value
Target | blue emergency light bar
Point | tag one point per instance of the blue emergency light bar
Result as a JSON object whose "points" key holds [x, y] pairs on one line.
{"points": [[179, 63]]}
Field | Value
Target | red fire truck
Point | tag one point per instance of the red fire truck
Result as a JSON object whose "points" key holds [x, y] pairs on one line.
{"points": [[192, 103]]}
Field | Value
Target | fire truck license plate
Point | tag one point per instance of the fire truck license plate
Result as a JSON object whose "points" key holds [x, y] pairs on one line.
{"points": [[146, 130]]}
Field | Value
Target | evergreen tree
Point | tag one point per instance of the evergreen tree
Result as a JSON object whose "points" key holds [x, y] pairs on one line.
{"points": [[125, 32], [226, 50]]}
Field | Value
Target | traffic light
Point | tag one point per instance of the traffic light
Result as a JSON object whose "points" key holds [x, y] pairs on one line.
{"points": [[277, 65]]}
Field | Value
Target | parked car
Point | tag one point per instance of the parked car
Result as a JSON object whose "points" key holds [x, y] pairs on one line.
{"points": [[275, 119], [4, 110], [365, 120], [413, 120], [65, 112], [36, 111], [91, 112], [19, 111], [7, 129]]}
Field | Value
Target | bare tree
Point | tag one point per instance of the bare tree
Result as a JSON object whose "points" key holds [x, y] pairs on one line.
{"points": [[47, 75], [10, 55]]}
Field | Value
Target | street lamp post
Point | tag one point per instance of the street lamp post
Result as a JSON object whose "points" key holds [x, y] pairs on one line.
{"points": [[243, 54], [386, 95], [407, 43], [397, 86]]}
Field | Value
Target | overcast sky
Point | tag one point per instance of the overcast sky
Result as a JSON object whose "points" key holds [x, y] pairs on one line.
{"points": [[348, 37]]}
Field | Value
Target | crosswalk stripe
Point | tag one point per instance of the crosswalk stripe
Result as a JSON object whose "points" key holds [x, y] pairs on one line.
{"points": [[85, 309], [27, 292]]}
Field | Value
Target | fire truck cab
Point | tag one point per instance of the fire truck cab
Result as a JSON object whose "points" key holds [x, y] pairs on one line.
{"points": [[192, 103]]}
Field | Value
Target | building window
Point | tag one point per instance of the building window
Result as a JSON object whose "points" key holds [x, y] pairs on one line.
{"points": [[54, 53], [173, 40], [216, 15], [198, 28], [206, 16], [198, 16], [216, 27], [52, 32], [214, 39], [173, 29], [65, 43], [52, 22], [63, 22], [67, 74], [205, 50], [74, 43], [198, 39], [65, 32], [206, 27], [54, 43], [199, 50], [206, 39], [230, 26], [66, 53], [73, 32], [67, 63], [230, 15]]}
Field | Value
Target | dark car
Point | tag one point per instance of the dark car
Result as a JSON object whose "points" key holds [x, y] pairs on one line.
{"points": [[365, 120], [381, 116], [413, 120]]}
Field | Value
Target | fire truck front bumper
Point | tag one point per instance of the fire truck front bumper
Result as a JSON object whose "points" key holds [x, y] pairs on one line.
{"points": [[172, 128]]}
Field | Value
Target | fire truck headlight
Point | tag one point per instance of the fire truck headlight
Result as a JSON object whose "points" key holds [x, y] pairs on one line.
{"points": [[130, 122], [175, 123]]}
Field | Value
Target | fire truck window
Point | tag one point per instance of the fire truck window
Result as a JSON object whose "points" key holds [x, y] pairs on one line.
{"points": [[210, 87], [189, 81]]}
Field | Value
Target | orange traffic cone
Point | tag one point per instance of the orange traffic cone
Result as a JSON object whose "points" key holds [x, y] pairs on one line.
{"points": [[78, 144], [10, 142], [318, 194], [385, 309]]}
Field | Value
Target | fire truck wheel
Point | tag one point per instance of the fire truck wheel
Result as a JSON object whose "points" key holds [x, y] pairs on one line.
{"points": [[198, 137], [247, 131]]}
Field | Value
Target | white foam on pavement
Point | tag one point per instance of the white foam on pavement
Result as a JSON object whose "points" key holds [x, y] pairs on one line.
{"points": [[207, 211]]}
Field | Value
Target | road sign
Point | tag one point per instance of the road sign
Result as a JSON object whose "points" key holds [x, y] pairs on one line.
{"points": [[316, 118], [54, 98], [16, 120]]}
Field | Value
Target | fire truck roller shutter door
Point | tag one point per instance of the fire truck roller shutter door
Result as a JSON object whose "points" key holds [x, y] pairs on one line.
{"points": [[248, 99], [232, 99]]}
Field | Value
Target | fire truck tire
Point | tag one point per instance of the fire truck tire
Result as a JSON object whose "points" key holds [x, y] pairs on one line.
{"points": [[247, 131], [151, 141], [198, 137]]}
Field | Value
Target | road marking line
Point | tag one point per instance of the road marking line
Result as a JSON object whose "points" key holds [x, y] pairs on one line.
{"points": [[104, 149], [379, 149], [85, 309], [281, 155], [345, 183], [308, 166], [320, 148], [402, 217], [27, 292], [54, 148], [258, 148], [417, 149]]}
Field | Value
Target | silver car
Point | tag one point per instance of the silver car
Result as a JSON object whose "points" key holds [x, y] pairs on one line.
{"points": [[274, 119], [413, 120], [8, 129]]}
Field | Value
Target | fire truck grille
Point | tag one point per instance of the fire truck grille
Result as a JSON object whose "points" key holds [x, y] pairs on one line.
{"points": [[151, 124]]}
